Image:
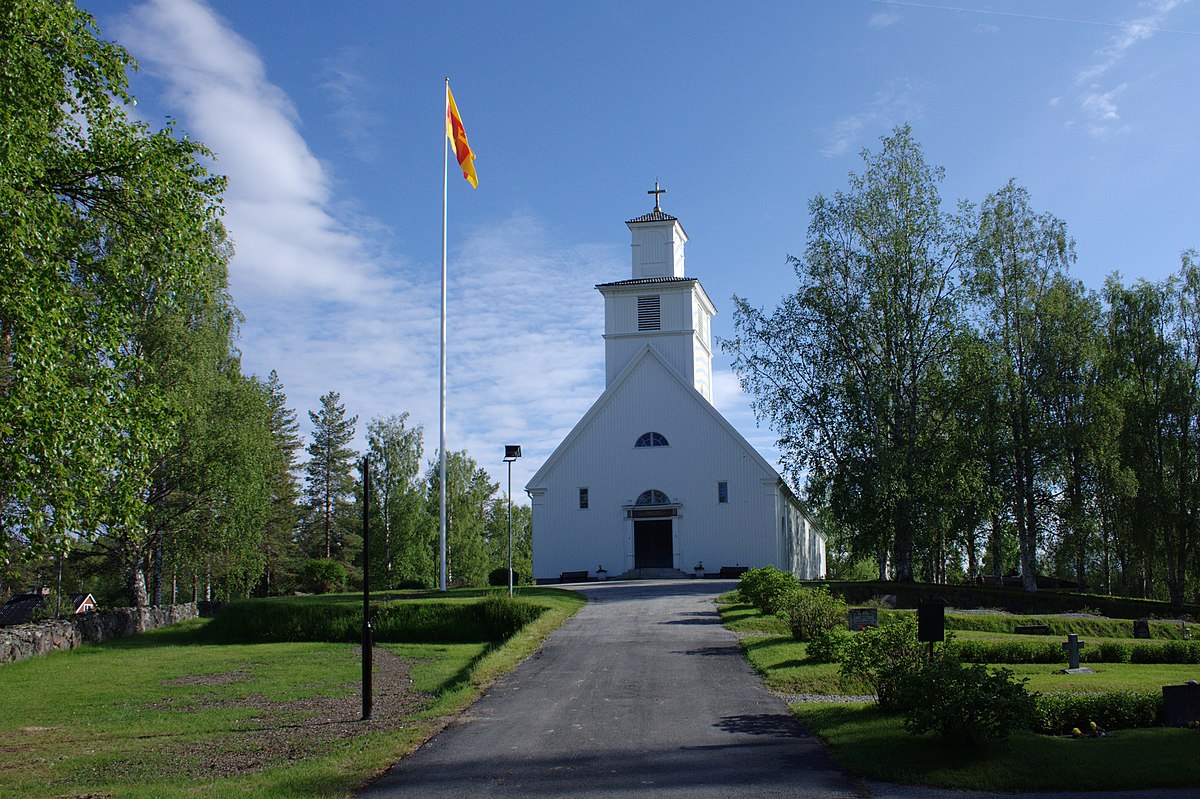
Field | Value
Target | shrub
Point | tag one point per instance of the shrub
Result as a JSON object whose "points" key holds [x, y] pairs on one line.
{"points": [[963, 703], [495, 618], [983, 651], [881, 656], [1114, 652], [1114, 710], [503, 616], [499, 577], [766, 587], [1170, 652], [322, 576], [812, 611], [828, 646]]}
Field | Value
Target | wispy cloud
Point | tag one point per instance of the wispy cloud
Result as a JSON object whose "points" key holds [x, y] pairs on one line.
{"points": [[883, 19], [1131, 33], [1098, 104], [349, 96], [328, 305], [891, 106]]}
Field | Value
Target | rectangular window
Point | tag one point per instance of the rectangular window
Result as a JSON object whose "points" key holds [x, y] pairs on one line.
{"points": [[583, 499], [722, 491], [649, 313]]}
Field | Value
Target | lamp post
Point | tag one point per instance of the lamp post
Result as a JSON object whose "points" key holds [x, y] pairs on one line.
{"points": [[511, 453]]}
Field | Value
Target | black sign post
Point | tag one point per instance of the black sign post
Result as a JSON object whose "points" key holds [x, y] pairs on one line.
{"points": [[931, 621], [368, 636]]}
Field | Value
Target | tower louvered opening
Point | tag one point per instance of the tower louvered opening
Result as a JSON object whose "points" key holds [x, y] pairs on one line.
{"points": [[649, 313]]}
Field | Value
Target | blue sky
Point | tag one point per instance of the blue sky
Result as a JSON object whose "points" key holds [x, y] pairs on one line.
{"points": [[327, 118]]}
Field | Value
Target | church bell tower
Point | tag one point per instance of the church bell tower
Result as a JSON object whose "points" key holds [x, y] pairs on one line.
{"points": [[659, 306]]}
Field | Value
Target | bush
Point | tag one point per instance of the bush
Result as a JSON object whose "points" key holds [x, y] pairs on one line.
{"points": [[828, 646], [983, 651], [812, 611], [1114, 652], [881, 656], [499, 577], [1115, 710], [963, 703], [494, 618], [503, 616], [765, 588], [323, 576], [1170, 652]]}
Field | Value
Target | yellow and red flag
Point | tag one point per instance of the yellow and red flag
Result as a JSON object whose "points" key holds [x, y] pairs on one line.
{"points": [[458, 140]]}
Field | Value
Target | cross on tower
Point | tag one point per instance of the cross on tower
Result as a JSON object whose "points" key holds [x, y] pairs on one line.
{"points": [[657, 191]]}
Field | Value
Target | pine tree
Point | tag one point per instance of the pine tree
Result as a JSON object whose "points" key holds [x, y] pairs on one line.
{"points": [[329, 474], [279, 538]]}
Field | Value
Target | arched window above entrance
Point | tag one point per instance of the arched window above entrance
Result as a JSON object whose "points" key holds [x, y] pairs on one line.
{"points": [[652, 497], [651, 439]]}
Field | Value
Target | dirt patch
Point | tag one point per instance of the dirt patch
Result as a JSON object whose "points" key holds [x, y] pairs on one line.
{"points": [[219, 678], [276, 733]]}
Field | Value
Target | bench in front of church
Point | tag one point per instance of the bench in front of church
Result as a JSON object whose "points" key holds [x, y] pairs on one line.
{"points": [[731, 572], [573, 577]]}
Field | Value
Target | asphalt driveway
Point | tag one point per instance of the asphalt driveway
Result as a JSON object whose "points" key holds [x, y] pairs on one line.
{"points": [[641, 693]]}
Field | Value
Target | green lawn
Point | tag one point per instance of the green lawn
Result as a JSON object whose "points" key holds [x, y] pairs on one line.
{"points": [[869, 744], [873, 745], [164, 715]]}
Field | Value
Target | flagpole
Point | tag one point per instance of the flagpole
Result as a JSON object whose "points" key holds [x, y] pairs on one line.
{"points": [[442, 411]]}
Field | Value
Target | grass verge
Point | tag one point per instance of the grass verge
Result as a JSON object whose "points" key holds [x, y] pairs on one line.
{"points": [[873, 745], [170, 714]]}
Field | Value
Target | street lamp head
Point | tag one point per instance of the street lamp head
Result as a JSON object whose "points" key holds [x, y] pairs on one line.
{"points": [[511, 452]]}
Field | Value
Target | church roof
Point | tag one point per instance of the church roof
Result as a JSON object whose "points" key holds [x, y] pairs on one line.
{"points": [[639, 281], [656, 215]]}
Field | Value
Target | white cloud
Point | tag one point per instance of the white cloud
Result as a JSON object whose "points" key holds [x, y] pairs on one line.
{"points": [[883, 19], [891, 106], [1131, 33], [330, 309], [349, 96], [1099, 106]]}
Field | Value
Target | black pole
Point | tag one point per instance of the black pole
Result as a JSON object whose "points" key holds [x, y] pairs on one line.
{"points": [[367, 636]]}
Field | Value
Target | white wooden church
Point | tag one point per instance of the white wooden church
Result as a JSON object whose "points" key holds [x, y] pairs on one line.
{"points": [[653, 481]]}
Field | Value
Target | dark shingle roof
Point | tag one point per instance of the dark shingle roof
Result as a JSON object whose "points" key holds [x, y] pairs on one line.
{"points": [[654, 216], [645, 280], [20, 608]]}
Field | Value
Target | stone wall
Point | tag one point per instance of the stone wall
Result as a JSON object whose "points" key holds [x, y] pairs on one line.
{"points": [[26, 640]]}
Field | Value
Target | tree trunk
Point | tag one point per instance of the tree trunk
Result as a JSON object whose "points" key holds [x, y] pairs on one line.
{"points": [[997, 546], [902, 546], [135, 582], [156, 579]]}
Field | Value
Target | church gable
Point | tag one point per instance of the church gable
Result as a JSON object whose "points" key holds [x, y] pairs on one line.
{"points": [[649, 398]]}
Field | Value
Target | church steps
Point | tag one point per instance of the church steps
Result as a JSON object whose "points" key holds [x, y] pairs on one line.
{"points": [[653, 574]]}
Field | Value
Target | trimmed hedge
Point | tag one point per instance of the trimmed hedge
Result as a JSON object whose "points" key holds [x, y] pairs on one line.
{"points": [[1041, 651], [494, 618], [1114, 710], [1014, 600], [1061, 625]]}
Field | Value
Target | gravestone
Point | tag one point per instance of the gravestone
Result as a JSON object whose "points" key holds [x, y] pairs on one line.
{"points": [[1141, 628], [860, 618], [1073, 645], [1181, 704]]}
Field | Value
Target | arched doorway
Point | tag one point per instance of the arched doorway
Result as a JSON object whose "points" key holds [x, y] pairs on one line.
{"points": [[653, 528]]}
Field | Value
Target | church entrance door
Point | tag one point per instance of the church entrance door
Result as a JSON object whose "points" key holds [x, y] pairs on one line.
{"points": [[652, 544]]}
